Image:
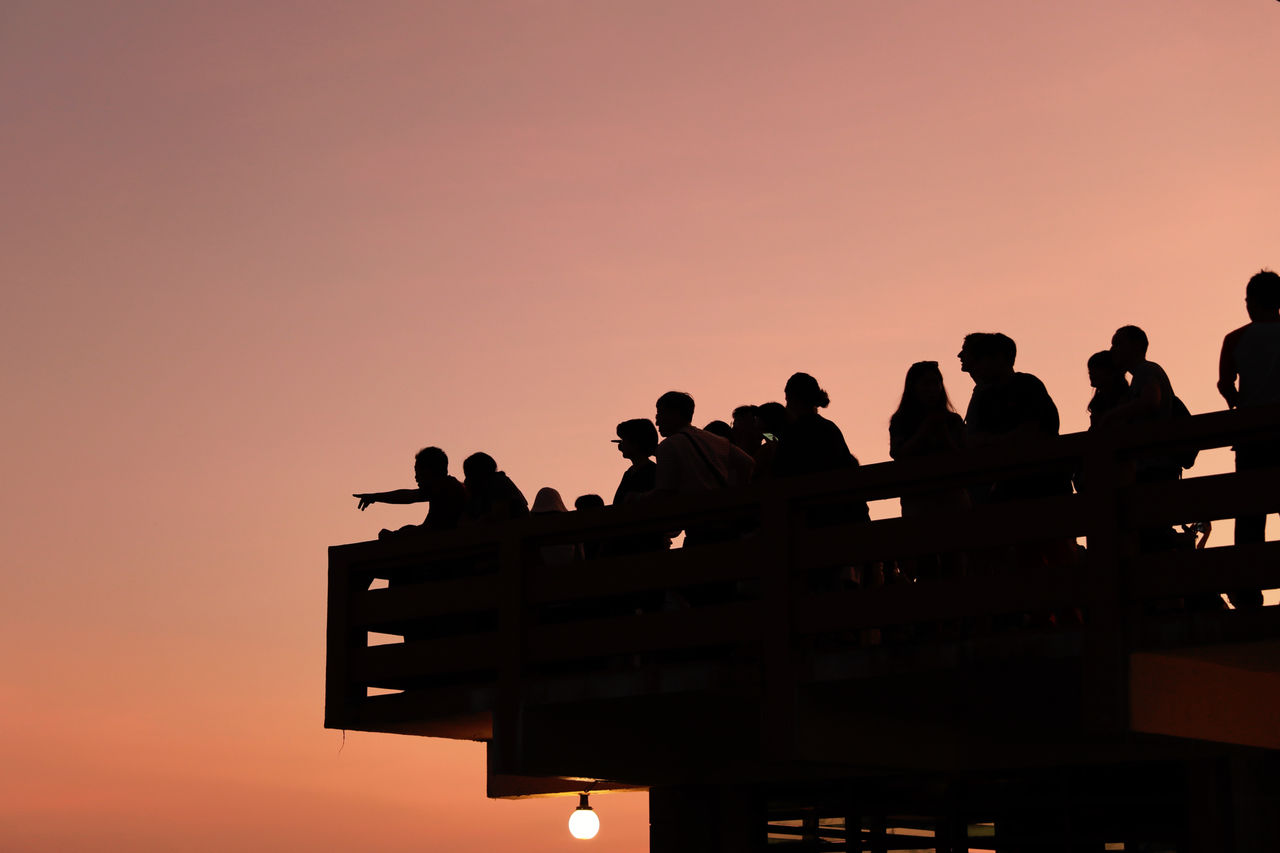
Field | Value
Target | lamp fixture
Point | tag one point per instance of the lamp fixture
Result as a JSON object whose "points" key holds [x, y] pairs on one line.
{"points": [[583, 823]]}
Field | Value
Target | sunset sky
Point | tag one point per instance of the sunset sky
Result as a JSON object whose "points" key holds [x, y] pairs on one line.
{"points": [[257, 254]]}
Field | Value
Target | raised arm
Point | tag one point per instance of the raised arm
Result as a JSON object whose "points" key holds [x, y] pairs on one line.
{"points": [[399, 496]]}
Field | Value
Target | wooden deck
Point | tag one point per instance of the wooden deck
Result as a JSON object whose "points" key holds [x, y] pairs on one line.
{"points": [[757, 661]]}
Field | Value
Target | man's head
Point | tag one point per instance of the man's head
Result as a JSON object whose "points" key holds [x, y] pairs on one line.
{"points": [[637, 439], [674, 412], [987, 356], [478, 467], [430, 465], [586, 502], [746, 428], [1129, 347], [1262, 295], [773, 420]]}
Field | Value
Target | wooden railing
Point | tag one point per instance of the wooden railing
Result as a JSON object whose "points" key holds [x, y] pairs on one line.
{"points": [[480, 627]]}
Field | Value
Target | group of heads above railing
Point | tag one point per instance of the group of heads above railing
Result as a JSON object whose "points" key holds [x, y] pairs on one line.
{"points": [[670, 456]]}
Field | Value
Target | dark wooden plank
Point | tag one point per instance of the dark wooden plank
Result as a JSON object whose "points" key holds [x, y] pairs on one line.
{"points": [[1182, 573], [397, 663], [903, 604], [1203, 498], [379, 609], [660, 570], [985, 527], [712, 625]]}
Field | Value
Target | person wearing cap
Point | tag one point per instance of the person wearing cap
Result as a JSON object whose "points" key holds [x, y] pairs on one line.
{"points": [[637, 440]]}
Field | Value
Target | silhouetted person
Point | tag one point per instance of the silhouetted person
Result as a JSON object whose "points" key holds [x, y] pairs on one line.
{"points": [[1150, 400], [772, 418], [721, 429], [926, 424], [637, 442], [588, 502], [746, 432], [1249, 376], [445, 494], [691, 461], [591, 548], [1110, 388], [491, 496], [1007, 406], [1109, 383], [548, 501], [812, 444]]}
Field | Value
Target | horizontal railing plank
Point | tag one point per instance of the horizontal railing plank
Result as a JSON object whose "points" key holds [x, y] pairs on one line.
{"points": [[655, 571], [392, 664], [1203, 498], [964, 530], [723, 624], [899, 604], [1179, 573], [375, 609]]}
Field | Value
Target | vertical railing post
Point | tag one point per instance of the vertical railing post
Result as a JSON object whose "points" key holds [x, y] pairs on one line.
{"points": [[508, 723], [342, 646], [776, 639], [1112, 545]]}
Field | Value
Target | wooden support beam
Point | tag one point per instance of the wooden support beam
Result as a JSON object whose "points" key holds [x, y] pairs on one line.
{"points": [[1224, 695]]}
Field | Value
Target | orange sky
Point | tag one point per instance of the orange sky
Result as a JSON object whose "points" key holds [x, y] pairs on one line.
{"points": [[256, 254]]}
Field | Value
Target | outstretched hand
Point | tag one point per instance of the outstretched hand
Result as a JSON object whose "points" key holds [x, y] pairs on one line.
{"points": [[365, 500]]}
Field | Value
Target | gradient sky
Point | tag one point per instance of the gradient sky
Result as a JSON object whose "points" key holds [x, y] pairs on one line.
{"points": [[256, 254]]}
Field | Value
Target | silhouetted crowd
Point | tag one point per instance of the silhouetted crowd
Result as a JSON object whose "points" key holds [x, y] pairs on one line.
{"points": [[669, 456]]}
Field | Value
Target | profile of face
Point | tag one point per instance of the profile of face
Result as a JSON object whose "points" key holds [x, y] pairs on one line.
{"points": [[627, 448]]}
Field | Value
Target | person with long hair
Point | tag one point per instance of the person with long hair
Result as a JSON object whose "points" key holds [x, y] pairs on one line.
{"points": [[926, 424], [1110, 387]]}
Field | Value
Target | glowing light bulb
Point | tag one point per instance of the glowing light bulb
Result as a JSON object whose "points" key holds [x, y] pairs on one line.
{"points": [[583, 823]]}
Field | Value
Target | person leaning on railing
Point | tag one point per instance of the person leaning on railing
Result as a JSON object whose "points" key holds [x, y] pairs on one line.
{"points": [[1248, 376], [637, 442], [814, 445], [445, 494], [926, 424], [694, 461], [1008, 406]]}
